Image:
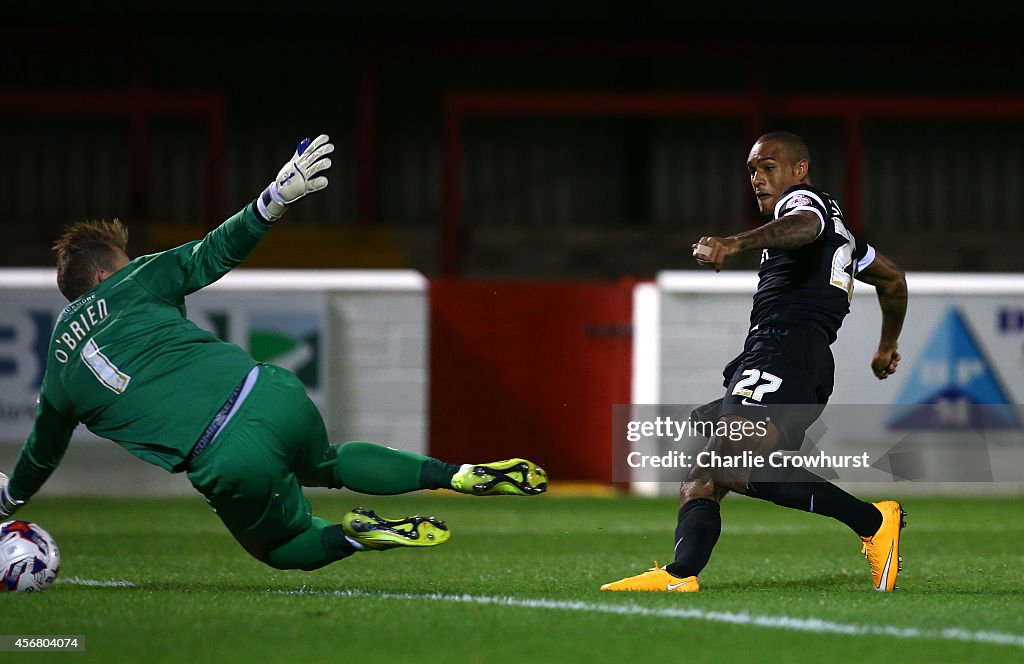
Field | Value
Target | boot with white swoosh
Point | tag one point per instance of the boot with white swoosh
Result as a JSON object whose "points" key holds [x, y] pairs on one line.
{"points": [[655, 579], [883, 548]]}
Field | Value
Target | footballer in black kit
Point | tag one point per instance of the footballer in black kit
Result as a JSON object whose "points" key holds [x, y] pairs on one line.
{"points": [[802, 296], [785, 373]]}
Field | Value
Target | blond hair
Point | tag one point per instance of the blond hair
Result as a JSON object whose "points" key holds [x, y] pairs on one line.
{"points": [[83, 248]]}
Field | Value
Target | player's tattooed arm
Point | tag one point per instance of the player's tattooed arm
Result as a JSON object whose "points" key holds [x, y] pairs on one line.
{"points": [[891, 285], [791, 231], [787, 232]]}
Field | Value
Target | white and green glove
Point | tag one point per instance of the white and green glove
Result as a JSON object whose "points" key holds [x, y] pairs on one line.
{"points": [[8, 505], [296, 178]]}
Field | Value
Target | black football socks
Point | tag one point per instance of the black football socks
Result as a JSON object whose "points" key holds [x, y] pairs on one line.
{"points": [[805, 491], [700, 524]]}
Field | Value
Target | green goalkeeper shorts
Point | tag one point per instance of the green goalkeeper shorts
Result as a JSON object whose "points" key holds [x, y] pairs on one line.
{"points": [[251, 473]]}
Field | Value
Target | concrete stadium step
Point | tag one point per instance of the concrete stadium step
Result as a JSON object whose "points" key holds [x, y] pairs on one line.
{"points": [[304, 245]]}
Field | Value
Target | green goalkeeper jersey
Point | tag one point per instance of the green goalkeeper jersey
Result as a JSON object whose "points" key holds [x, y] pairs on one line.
{"points": [[126, 362]]}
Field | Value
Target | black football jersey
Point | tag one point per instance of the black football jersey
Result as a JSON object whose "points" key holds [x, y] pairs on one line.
{"points": [[811, 285]]}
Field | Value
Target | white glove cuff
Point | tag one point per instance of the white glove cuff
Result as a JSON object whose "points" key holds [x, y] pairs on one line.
{"points": [[270, 205], [8, 505]]}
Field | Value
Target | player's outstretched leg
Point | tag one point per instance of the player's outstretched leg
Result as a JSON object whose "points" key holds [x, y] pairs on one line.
{"points": [[376, 469], [322, 542], [512, 477], [883, 548], [698, 525], [379, 470], [367, 530], [697, 531], [877, 524]]}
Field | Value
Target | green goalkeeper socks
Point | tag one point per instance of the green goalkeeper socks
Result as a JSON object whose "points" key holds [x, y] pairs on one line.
{"points": [[380, 470], [320, 544], [366, 468]]}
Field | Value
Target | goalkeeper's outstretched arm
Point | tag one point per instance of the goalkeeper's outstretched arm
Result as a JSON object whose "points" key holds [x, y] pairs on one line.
{"points": [[192, 266], [39, 457], [297, 178]]}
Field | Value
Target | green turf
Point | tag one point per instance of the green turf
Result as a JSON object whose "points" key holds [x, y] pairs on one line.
{"points": [[201, 599]]}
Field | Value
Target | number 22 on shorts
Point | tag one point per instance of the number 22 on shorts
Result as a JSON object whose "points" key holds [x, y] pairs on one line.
{"points": [[745, 388]]}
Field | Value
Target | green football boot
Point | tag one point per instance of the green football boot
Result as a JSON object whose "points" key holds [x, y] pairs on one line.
{"points": [[376, 532], [514, 477]]}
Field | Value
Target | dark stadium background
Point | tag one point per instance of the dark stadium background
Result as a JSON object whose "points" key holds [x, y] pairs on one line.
{"points": [[569, 196], [520, 154], [540, 162]]}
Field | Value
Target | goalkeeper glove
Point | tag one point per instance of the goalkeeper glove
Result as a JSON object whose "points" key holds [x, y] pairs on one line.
{"points": [[296, 178], [8, 505]]}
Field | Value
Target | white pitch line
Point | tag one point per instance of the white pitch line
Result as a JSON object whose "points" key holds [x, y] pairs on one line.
{"points": [[75, 581], [814, 625]]}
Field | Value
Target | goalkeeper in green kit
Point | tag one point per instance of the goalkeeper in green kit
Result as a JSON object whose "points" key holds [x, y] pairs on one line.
{"points": [[126, 362]]}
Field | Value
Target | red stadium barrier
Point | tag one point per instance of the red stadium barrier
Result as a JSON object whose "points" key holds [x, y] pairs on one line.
{"points": [[529, 369]]}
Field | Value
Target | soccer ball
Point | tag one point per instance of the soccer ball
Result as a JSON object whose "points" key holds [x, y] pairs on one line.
{"points": [[29, 558]]}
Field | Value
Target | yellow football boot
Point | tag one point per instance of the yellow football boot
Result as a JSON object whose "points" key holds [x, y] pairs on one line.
{"points": [[883, 548], [512, 477], [377, 533], [655, 579]]}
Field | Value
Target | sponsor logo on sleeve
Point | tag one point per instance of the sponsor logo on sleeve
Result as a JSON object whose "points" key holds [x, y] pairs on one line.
{"points": [[798, 200]]}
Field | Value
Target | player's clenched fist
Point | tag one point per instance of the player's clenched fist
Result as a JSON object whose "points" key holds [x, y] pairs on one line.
{"points": [[297, 178], [712, 251], [884, 363]]}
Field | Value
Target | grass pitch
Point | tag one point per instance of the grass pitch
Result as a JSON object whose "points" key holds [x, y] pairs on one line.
{"points": [[150, 580]]}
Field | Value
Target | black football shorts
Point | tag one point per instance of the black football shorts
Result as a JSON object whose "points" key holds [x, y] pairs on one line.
{"points": [[785, 374]]}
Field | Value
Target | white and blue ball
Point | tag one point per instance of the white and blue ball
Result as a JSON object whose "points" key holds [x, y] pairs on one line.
{"points": [[29, 558]]}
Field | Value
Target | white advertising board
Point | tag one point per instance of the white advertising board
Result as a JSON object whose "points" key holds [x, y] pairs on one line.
{"points": [[959, 384]]}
